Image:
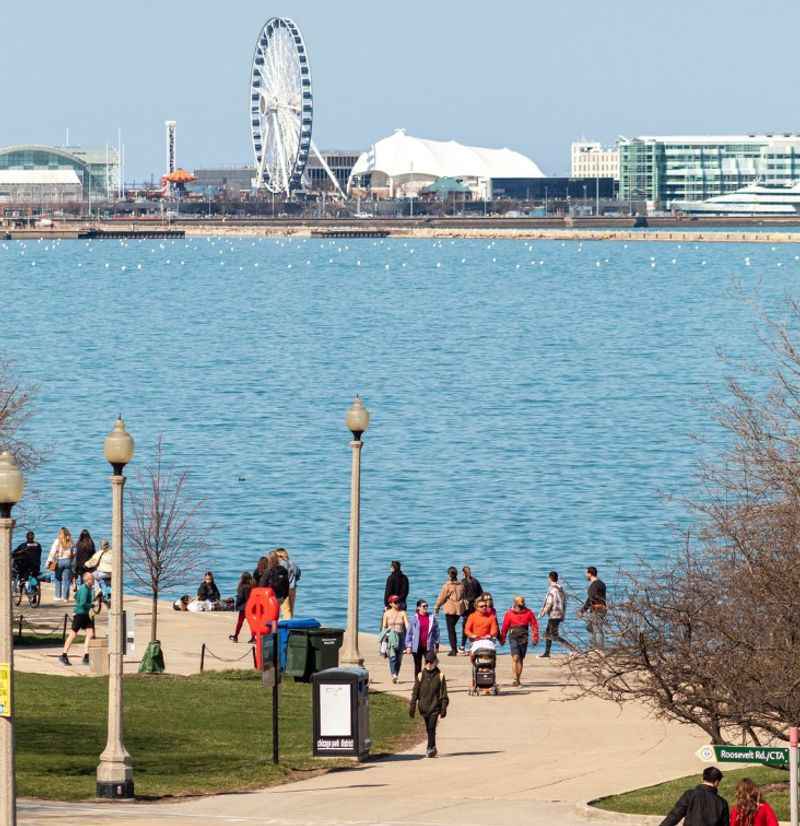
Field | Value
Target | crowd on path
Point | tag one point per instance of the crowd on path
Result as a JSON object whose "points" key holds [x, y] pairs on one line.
{"points": [[704, 805]]}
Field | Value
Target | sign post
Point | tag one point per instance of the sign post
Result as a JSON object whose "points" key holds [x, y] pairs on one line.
{"points": [[768, 755], [793, 775]]}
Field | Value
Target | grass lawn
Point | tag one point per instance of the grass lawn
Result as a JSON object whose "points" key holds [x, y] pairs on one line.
{"points": [[186, 735], [658, 800]]}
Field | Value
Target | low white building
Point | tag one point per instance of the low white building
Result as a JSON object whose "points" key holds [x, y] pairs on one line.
{"points": [[591, 159], [36, 186], [402, 165]]}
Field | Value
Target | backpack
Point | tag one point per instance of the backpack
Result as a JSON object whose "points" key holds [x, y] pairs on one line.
{"points": [[279, 582]]}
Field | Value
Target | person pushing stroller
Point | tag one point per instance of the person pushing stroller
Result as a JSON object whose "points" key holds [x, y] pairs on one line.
{"points": [[482, 631]]}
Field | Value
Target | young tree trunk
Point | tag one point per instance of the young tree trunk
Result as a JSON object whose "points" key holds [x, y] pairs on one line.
{"points": [[154, 617]]}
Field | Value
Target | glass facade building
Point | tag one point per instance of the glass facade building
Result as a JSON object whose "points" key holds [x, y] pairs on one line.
{"points": [[662, 169], [97, 169]]}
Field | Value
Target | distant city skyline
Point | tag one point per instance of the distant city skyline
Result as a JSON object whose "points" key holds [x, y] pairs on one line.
{"points": [[530, 77]]}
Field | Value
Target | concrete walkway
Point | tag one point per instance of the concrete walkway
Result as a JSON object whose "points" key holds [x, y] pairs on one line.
{"points": [[528, 756]]}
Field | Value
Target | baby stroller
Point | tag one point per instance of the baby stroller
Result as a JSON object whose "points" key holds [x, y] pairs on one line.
{"points": [[484, 662]]}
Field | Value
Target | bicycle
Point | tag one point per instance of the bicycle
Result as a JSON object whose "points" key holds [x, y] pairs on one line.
{"points": [[23, 585]]}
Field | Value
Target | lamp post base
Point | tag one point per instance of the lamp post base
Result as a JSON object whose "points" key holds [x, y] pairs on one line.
{"points": [[111, 790]]}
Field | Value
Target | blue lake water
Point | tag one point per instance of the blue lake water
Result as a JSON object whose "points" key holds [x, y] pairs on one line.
{"points": [[530, 402]]}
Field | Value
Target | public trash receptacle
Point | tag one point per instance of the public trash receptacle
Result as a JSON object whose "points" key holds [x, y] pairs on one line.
{"points": [[325, 644], [284, 627], [98, 656], [341, 712], [298, 654]]}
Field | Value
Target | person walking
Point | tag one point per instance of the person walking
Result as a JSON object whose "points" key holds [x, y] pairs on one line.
{"points": [[750, 808], [702, 805], [59, 561], [396, 585], [515, 628], [430, 696], [242, 595], [394, 626], [84, 551], [287, 606], [555, 609], [276, 577], [422, 636], [595, 608], [82, 620], [451, 597], [472, 590], [100, 566]]}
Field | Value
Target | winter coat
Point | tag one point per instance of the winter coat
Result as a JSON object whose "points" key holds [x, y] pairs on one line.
{"points": [[83, 553], [765, 816], [396, 585], [413, 633], [596, 596], [208, 591], [451, 597], [276, 578], [472, 590], [701, 806], [517, 622], [242, 595], [83, 600], [28, 556], [555, 603], [394, 640], [430, 693], [481, 625]]}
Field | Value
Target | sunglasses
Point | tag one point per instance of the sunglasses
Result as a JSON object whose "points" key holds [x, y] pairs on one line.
{"points": [[424, 605]]}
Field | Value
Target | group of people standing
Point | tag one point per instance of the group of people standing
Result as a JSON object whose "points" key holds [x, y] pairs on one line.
{"points": [[465, 601]]}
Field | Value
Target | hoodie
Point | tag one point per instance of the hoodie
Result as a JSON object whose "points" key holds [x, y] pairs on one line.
{"points": [[555, 603]]}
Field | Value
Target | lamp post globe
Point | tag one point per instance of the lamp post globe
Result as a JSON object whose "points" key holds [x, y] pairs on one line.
{"points": [[118, 446], [12, 483], [357, 419]]}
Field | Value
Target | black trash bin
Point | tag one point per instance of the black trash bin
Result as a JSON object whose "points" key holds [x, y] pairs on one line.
{"points": [[325, 644], [299, 659], [340, 726]]}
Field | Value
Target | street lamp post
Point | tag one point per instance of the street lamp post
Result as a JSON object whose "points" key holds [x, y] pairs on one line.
{"points": [[357, 421], [115, 772], [11, 487]]}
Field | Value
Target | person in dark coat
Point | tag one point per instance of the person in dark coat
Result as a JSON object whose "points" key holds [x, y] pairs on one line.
{"points": [[430, 696], [701, 806], [84, 551], [242, 595], [472, 590], [396, 585]]}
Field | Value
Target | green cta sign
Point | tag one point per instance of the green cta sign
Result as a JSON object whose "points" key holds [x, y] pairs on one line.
{"points": [[768, 755]]}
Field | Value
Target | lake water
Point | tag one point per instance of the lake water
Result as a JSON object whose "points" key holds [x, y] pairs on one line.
{"points": [[530, 403]]}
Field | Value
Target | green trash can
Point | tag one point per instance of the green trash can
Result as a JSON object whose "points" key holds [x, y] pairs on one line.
{"points": [[298, 655], [325, 644]]}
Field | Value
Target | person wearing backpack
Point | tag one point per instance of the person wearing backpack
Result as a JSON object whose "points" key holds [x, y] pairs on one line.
{"points": [[293, 569], [275, 577], [430, 696], [555, 609]]}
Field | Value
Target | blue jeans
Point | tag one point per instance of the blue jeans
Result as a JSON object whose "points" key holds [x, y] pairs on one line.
{"points": [[102, 581], [395, 661], [62, 577]]}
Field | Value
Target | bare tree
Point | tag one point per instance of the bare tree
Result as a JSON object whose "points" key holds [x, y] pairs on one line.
{"points": [[166, 543], [712, 640], [15, 410]]}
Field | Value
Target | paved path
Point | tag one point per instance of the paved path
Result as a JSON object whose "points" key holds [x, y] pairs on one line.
{"points": [[527, 756]]}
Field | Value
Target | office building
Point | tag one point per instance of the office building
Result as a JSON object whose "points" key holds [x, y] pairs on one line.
{"points": [[590, 159], [228, 181], [663, 169]]}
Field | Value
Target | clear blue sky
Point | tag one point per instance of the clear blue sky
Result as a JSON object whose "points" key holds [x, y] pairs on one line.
{"points": [[532, 75]]}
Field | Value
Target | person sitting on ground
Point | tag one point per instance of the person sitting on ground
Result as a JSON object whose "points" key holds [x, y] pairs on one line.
{"points": [[242, 595], [702, 805], [82, 620], [515, 628], [396, 585], [100, 566], [293, 569], [207, 595], [422, 636], [430, 696], [182, 603], [751, 809]]}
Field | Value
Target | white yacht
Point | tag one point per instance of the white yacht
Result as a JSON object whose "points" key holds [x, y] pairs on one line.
{"points": [[754, 199]]}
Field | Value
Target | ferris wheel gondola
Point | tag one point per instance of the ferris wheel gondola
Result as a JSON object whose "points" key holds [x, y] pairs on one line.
{"points": [[281, 106]]}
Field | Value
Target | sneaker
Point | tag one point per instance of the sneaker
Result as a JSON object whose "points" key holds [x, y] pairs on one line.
{"points": [[85, 659], [232, 638], [431, 753], [515, 683], [462, 650], [543, 656], [64, 660], [394, 678], [452, 653]]}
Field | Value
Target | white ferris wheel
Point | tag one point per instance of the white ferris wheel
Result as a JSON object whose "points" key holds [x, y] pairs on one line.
{"points": [[282, 108]]}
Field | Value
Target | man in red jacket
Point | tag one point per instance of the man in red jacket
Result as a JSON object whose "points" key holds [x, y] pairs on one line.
{"points": [[515, 627]]}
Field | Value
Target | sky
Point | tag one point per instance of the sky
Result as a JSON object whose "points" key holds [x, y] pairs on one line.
{"points": [[530, 75]]}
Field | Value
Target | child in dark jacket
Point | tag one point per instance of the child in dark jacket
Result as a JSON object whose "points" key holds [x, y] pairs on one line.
{"points": [[242, 595], [430, 695]]}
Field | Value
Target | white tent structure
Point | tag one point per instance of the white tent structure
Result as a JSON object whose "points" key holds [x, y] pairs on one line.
{"points": [[402, 165]]}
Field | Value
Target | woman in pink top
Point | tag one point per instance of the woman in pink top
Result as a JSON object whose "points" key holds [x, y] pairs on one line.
{"points": [[422, 636], [750, 809]]}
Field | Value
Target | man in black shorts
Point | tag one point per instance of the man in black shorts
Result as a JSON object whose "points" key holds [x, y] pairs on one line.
{"points": [[82, 620]]}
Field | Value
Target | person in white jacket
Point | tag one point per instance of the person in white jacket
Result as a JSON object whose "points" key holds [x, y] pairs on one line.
{"points": [[100, 566], [555, 609]]}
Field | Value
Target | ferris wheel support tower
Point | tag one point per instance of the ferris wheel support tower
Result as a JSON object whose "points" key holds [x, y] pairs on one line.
{"points": [[170, 126]]}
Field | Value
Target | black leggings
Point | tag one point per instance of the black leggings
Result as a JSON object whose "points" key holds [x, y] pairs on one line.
{"points": [[452, 625]]}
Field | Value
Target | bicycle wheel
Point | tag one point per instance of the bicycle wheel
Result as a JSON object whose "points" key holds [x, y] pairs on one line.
{"points": [[18, 588], [97, 602], [35, 596]]}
